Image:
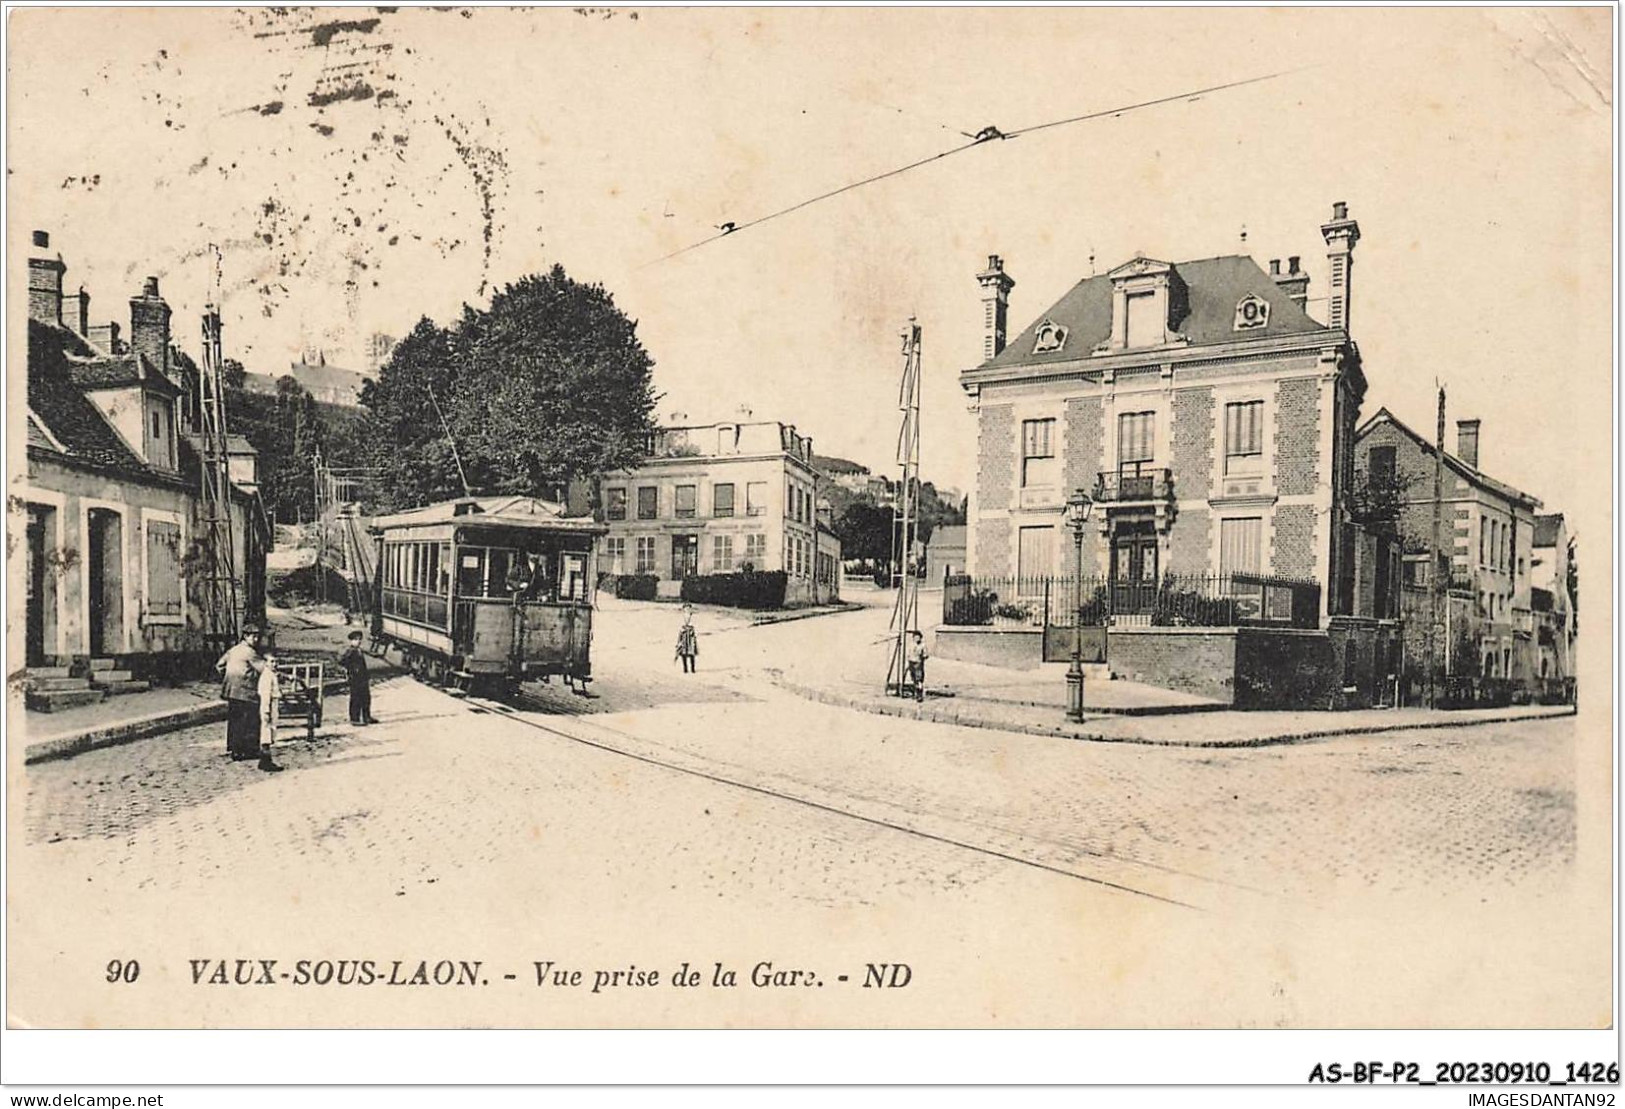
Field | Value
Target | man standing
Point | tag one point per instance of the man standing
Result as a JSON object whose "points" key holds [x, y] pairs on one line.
{"points": [[355, 666], [239, 670]]}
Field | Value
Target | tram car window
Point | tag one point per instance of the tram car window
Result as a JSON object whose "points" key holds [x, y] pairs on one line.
{"points": [[488, 591]]}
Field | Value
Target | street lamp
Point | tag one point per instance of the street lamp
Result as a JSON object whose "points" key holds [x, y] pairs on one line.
{"points": [[1078, 507]]}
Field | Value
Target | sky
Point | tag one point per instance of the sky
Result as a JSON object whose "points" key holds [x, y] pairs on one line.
{"points": [[362, 168]]}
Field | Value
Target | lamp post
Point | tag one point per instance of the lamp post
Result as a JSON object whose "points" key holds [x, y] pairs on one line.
{"points": [[1078, 507]]}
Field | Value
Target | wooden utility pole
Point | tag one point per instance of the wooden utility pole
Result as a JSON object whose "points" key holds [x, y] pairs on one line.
{"points": [[1438, 581]]}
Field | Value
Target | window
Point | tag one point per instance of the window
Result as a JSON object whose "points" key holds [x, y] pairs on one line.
{"points": [[1144, 328], [1241, 545], [1244, 437], [722, 499], [615, 503], [157, 425], [1382, 465], [648, 502], [685, 500], [756, 550], [615, 551], [1035, 552], [1038, 467], [163, 572], [722, 553], [646, 554], [755, 498], [1416, 571], [1136, 438]]}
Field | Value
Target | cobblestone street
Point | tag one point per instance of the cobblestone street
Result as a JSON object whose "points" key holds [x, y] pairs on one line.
{"points": [[472, 823]]}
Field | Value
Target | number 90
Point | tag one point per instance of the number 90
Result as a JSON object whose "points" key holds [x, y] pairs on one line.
{"points": [[118, 970]]}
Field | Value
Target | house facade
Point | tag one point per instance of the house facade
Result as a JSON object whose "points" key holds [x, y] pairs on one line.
{"points": [[1549, 597], [1482, 622], [720, 498], [1210, 418], [109, 497]]}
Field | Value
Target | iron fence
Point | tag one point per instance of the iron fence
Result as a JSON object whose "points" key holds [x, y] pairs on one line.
{"points": [[1169, 600]]}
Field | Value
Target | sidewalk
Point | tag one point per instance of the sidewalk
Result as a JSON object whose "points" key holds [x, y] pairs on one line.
{"points": [[133, 716], [1034, 702]]}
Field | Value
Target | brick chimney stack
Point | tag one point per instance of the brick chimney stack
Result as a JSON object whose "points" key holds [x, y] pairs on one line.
{"points": [[1294, 282], [149, 326], [1341, 234], [79, 306], [45, 282], [1467, 441], [996, 286]]}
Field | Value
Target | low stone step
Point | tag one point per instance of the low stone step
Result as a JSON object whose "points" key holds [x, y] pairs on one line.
{"points": [[52, 685], [115, 688], [103, 664], [103, 677], [62, 699], [48, 672]]}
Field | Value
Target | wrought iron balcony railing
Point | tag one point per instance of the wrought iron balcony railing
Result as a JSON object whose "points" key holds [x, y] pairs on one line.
{"points": [[1127, 485]]}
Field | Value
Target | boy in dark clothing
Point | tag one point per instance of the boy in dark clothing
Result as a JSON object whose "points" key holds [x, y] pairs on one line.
{"points": [[355, 666]]}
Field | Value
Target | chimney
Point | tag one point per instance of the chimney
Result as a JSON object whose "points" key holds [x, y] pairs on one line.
{"points": [[996, 286], [149, 326], [1294, 282], [1467, 441], [79, 307], [105, 336], [1340, 234], [45, 283]]}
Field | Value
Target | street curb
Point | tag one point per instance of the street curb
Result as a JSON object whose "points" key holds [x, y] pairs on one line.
{"points": [[142, 727], [763, 619], [1138, 710], [921, 712], [111, 735]]}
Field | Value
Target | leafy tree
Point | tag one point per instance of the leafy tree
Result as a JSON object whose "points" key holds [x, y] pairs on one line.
{"points": [[865, 531], [549, 383]]}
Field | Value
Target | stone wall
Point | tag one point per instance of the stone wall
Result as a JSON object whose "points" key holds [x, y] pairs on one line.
{"points": [[1193, 660]]}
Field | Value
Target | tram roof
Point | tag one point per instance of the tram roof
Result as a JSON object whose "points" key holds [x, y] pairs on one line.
{"points": [[517, 511]]}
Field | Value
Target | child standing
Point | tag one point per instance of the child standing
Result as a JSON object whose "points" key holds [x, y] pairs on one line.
{"points": [[354, 662], [270, 689], [688, 640], [916, 664]]}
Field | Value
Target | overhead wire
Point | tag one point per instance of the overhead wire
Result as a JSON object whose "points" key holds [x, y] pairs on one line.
{"points": [[982, 138]]}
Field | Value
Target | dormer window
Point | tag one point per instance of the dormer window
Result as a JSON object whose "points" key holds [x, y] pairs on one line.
{"points": [[1146, 327], [1051, 337], [1252, 311], [1149, 302]]}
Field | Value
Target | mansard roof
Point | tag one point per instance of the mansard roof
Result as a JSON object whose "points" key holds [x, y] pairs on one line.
{"points": [[1214, 285]]}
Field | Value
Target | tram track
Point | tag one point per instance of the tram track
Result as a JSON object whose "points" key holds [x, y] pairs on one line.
{"points": [[613, 740]]}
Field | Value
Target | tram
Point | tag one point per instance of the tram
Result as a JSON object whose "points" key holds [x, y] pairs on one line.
{"points": [[483, 593]]}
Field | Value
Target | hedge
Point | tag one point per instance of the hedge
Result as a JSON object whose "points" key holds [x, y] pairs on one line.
{"points": [[629, 587], [755, 589]]}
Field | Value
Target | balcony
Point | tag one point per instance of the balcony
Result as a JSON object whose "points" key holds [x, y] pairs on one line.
{"points": [[1126, 486]]}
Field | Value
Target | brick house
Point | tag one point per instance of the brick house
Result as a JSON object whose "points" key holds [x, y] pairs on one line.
{"points": [[1486, 624], [1209, 416], [109, 500], [717, 498]]}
